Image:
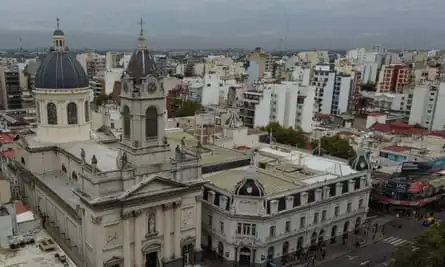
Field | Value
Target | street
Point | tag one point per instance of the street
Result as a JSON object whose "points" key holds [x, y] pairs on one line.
{"points": [[378, 254]]}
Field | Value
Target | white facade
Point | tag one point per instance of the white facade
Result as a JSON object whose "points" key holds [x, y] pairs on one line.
{"points": [[288, 103], [369, 72], [258, 228], [427, 108], [324, 80], [340, 94]]}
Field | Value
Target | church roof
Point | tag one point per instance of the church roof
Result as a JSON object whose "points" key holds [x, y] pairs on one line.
{"points": [[141, 62], [61, 70]]}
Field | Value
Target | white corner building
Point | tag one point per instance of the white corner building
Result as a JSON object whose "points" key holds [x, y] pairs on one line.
{"points": [[131, 203], [281, 206]]}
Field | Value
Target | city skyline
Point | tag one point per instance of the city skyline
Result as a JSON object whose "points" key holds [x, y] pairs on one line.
{"points": [[220, 24]]}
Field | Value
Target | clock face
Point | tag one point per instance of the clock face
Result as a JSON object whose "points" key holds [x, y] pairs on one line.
{"points": [[125, 87], [152, 87]]}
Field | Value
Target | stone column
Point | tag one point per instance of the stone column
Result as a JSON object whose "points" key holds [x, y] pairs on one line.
{"points": [[127, 241], [138, 237], [167, 232], [177, 242], [197, 221]]}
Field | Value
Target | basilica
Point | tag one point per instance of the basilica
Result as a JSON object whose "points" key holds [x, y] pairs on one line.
{"points": [[132, 202]]}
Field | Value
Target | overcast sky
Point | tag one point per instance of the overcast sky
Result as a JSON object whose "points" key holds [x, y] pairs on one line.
{"points": [[228, 23]]}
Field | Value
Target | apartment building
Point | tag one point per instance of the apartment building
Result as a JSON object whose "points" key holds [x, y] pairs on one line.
{"points": [[264, 60], [272, 212], [427, 108], [10, 91], [370, 71], [354, 93], [288, 103], [92, 63], [394, 78], [323, 78], [341, 94], [113, 60]]}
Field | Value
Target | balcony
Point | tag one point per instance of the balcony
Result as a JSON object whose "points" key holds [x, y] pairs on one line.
{"points": [[311, 227]]}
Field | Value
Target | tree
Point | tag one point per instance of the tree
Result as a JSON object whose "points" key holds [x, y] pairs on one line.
{"points": [[368, 87], [335, 146], [428, 250], [187, 108], [286, 136]]}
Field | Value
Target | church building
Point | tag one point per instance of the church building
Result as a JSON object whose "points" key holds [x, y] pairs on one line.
{"points": [[135, 202]]}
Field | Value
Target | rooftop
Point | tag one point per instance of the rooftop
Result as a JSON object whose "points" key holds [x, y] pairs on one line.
{"points": [[32, 255], [61, 187], [287, 173], [210, 154]]}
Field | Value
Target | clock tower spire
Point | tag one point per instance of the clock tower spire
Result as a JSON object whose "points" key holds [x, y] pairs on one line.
{"points": [[143, 107]]}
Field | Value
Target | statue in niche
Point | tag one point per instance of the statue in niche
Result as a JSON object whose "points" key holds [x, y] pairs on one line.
{"points": [[151, 223]]}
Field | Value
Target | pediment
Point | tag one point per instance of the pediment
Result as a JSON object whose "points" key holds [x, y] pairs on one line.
{"points": [[152, 185]]}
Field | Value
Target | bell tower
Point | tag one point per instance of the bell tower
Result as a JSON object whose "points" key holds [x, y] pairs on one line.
{"points": [[143, 109]]}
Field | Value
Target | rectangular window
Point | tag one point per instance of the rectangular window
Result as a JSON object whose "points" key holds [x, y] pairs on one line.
{"points": [[221, 227], [253, 230], [210, 220], [239, 228], [324, 215], [316, 218], [360, 203], [288, 226], [272, 230], [302, 222], [349, 209], [246, 229], [336, 211]]}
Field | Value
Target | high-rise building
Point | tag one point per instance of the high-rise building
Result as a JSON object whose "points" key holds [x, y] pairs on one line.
{"points": [[11, 94]]}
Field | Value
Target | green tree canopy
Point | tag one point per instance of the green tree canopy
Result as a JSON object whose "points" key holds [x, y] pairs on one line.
{"points": [[287, 136], [335, 146], [187, 108], [428, 250], [369, 87]]}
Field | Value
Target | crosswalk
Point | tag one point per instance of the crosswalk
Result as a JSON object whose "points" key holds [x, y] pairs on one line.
{"points": [[395, 241]]}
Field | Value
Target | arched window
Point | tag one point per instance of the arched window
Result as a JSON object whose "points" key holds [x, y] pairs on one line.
{"points": [[51, 111], [87, 111], [126, 121], [63, 168], [74, 176], [151, 122], [71, 110]]}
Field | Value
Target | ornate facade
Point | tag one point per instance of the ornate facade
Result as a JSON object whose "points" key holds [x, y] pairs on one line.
{"points": [[132, 203]]}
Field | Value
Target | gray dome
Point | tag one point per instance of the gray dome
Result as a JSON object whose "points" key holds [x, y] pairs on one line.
{"points": [[58, 32], [60, 70], [141, 64]]}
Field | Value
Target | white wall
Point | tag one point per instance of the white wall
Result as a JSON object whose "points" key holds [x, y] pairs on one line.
{"points": [[369, 72], [438, 121]]}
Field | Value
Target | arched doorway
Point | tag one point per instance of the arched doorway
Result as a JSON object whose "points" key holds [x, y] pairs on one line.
{"points": [[270, 253], [220, 251], [321, 237], [345, 230], [244, 257], [188, 255], [313, 241], [333, 234], [358, 222], [285, 253]]}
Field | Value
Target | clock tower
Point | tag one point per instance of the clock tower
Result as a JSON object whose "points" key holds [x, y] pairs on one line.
{"points": [[143, 110]]}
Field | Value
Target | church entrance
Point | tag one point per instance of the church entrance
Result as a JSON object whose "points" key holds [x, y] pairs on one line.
{"points": [[244, 257], [187, 254], [151, 259]]}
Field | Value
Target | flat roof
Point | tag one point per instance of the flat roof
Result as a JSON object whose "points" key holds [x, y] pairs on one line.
{"points": [[59, 183], [273, 182], [106, 154], [209, 153], [311, 162], [31, 255]]}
